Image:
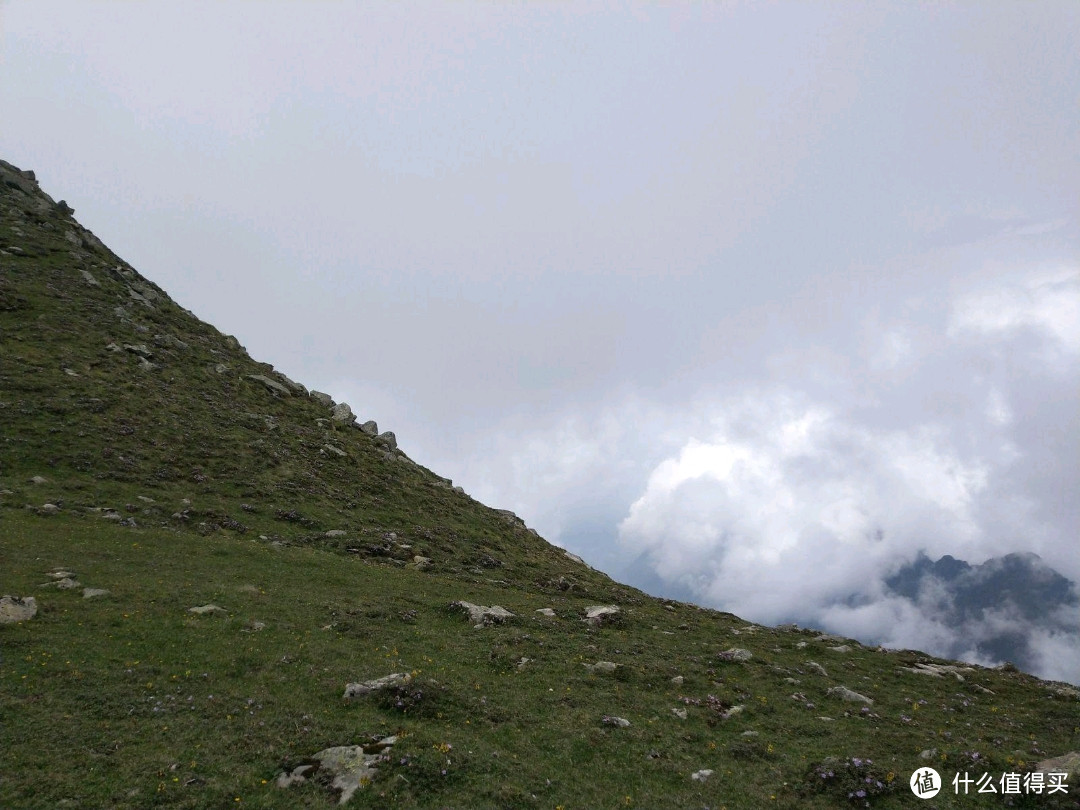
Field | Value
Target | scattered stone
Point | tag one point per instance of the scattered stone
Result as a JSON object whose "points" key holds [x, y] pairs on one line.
{"points": [[618, 722], [349, 767], [343, 414], [735, 654], [203, 610], [937, 670], [818, 668], [702, 775], [598, 615], [928, 753], [422, 563], [37, 479], [170, 341], [322, 399], [60, 573], [337, 451], [844, 693], [482, 616], [91, 593], [17, 609], [271, 385], [677, 680], [602, 667], [387, 439], [336, 533], [751, 733], [63, 584], [354, 690], [255, 627], [732, 712], [546, 612], [49, 509], [221, 368], [71, 372], [370, 428], [139, 349], [680, 713]]}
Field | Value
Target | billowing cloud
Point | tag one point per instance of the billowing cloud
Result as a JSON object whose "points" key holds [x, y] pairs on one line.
{"points": [[793, 508]]}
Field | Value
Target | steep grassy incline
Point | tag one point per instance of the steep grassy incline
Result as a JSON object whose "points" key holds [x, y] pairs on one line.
{"points": [[112, 391], [148, 466]]}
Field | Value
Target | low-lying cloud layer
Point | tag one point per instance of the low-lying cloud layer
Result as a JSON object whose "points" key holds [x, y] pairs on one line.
{"points": [[951, 433]]}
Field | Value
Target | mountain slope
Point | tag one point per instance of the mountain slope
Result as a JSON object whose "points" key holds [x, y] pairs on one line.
{"points": [[144, 453]]}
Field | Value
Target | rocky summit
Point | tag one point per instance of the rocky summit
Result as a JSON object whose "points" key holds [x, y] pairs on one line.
{"points": [[220, 588]]}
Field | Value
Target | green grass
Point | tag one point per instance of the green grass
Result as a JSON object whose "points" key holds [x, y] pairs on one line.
{"points": [[130, 701]]}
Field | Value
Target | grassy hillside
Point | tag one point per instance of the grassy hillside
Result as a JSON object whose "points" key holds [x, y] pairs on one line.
{"points": [[174, 471]]}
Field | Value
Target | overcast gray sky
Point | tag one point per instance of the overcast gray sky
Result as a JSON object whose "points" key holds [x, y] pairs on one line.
{"points": [[745, 302]]}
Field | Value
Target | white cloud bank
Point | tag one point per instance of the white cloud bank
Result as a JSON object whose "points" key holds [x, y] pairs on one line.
{"points": [[787, 508]]}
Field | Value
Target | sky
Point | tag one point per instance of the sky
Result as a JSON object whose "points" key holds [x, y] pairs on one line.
{"points": [[744, 303]]}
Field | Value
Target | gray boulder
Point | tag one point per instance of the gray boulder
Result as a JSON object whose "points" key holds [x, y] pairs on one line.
{"points": [[205, 610], [481, 615], [322, 399], [354, 690], [598, 615], [349, 767], [343, 414], [370, 428], [387, 439], [1068, 764], [602, 667], [17, 609], [272, 385], [849, 695]]}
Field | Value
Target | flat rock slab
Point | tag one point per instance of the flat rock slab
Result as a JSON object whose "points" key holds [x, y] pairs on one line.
{"points": [[597, 615], [272, 385], [64, 584], [546, 612], [354, 690], [852, 696], [17, 609], [481, 615], [204, 610], [702, 775], [735, 654], [937, 670], [602, 667], [347, 767], [618, 722], [90, 593]]}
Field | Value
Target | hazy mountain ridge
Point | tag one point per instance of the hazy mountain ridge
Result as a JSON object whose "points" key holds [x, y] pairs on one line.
{"points": [[997, 603]]}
